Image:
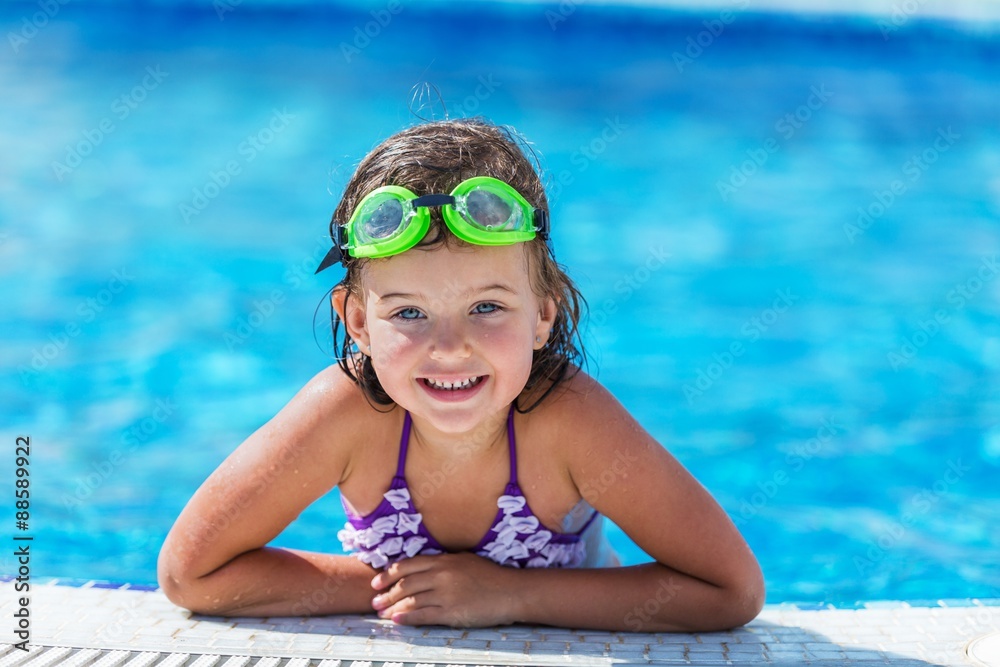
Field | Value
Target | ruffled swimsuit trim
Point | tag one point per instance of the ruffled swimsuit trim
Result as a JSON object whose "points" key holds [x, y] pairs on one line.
{"points": [[395, 530]]}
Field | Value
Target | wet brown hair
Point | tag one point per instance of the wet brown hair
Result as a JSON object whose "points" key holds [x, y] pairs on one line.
{"points": [[433, 158]]}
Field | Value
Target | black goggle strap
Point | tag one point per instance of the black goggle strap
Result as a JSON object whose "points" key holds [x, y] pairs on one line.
{"points": [[540, 218], [336, 254], [433, 200]]}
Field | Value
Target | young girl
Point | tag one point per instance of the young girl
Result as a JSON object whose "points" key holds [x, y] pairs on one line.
{"points": [[476, 461]]}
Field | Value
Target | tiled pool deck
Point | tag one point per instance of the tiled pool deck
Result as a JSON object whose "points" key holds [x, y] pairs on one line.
{"points": [[106, 625]]}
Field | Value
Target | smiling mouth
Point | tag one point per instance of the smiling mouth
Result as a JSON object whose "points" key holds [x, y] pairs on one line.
{"points": [[458, 385]]}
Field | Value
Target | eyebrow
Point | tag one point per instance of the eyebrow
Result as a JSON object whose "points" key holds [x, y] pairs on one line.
{"points": [[410, 295]]}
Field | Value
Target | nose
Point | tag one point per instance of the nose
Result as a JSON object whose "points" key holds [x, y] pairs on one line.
{"points": [[450, 341]]}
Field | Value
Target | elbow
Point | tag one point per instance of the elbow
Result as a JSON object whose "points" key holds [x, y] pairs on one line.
{"points": [[747, 601], [741, 598], [704, 607], [741, 602], [730, 607], [175, 583], [183, 586]]}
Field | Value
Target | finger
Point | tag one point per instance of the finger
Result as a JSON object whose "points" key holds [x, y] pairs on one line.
{"points": [[437, 615], [396, 571], [431, 615], [408, 604], [410, 586]]}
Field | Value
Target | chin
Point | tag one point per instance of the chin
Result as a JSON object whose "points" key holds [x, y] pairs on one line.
{"points": [[454, 421]]}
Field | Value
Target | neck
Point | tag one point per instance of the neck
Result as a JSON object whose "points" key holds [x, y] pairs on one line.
{"points": [[481, 439]]}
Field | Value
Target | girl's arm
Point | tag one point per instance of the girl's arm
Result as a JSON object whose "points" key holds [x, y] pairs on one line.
{"points": [[704, 578], [214, 560]]}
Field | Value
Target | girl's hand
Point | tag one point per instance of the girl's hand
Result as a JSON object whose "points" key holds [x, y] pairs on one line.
{"points": [[459, 590]]}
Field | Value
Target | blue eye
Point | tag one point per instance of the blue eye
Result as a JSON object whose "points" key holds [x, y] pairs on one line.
{"points": [[495, 308], [407, 310]]}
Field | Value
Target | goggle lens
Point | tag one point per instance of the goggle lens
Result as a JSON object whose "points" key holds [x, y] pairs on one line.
{"points": [[487, 210], [381, 219]]}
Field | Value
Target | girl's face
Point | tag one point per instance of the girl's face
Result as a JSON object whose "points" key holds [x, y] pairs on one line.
{"points": [[446, 315]]}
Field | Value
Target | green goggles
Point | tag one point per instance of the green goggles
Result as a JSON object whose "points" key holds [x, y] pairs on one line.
{"points": [[480, 210]]}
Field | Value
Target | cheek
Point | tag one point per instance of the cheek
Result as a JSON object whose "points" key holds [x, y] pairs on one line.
{"points": [[509, 344], [390, 344]]}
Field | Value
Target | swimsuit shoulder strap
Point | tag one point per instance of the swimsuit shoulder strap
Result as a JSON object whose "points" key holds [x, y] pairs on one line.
{"points": [[404, 442], [512, 445]]}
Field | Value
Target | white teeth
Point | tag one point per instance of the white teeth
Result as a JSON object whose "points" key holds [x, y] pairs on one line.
{"points": [[463, 384]]}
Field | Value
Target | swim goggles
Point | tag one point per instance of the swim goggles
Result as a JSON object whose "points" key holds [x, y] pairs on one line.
{"points": [[391, 219]]}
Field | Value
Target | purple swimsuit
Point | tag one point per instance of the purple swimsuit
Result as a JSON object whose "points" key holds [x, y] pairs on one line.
{"points": [[395, 530]]}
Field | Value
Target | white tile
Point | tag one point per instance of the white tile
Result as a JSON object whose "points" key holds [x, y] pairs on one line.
{"points": [[134, 619], [485, 634], [468, 644], [237, 661], [667, 651], [308, 641], [508, 645], [112, 659], [144, 659]]}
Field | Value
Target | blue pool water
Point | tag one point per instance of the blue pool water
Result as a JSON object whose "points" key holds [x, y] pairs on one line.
{"points": [[787, 235]]}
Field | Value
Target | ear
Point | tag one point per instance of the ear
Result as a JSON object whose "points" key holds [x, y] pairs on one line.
{"points": [[546, 320], [352, 313]]}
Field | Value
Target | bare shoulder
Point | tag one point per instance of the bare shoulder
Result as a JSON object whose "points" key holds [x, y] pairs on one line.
{"points": [[629, 477], [330, 401], [318, 429], [291, 460], [611, 459], [587, 417]]}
